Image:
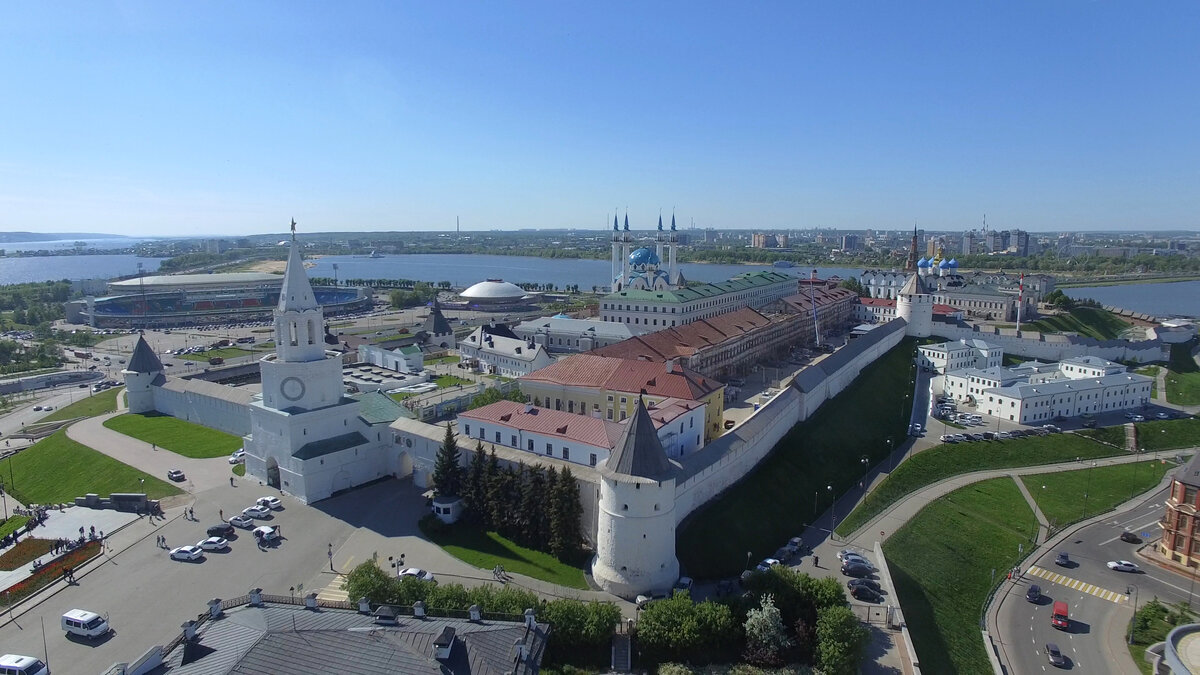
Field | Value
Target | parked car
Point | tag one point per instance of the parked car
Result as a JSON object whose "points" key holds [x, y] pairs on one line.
{"points": [[189, 553], [767, 564], [1163, 416], [795, 545], [256, 511], [1123, 566], [855, 569], [266, 533], [25, 665], [175, 475], [858, 560], [237, 457], [1139, 418], [865, 594], [269, 502], [243, 522], [1033, 593], [1130, 537], [214, 544], [1056, 657], [423, 575], [642, 600], [684, 584], [869, 583], [221, 530]]}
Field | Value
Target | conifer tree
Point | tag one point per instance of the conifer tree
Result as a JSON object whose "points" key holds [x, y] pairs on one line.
{"points": [[534, 508], [572, 513], [474, 492], [447, 474]]}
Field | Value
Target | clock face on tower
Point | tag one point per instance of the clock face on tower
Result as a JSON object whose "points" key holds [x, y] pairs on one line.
{"points": [[292, 388]]}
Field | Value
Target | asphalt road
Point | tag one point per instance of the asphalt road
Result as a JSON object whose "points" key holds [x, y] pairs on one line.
{"points": [[1094, 642]]}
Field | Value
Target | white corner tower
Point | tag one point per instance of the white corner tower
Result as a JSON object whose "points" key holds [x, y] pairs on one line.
{"points": [[143, 372], [635, 530], [915, 305]]}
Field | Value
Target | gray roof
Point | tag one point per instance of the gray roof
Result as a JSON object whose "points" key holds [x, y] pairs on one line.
{"points": [[284, 639], [582, 327], [144, 360], [913, 286], [238, 395], [327, 446], [436, 323], [1026, 390], [1189, 474], [378, 408], [639, 452]]}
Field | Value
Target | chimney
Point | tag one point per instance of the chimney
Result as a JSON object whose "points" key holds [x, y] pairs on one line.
{"points": [[214, 608], [530, 618], [189, 630], [256, 597], [476, 615], [364, 606], [519, 649], [444, 644], [419, 609], [670, 365], [310, 601], [528, 408]]}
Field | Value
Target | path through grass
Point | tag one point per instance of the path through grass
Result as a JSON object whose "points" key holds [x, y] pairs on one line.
{"points": [[944, 461], [942, 562], [56, 469], [1060, 495], [176, 435]]}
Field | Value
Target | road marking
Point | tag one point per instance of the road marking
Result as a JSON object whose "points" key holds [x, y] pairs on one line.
{"points": [[334, 590], [1090, 589]]}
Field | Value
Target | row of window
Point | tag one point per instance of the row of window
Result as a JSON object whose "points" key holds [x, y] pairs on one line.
{"points": [[565, 451]]}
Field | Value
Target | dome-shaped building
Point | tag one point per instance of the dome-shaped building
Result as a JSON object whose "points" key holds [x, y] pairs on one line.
{"points": [[643, 257], [493, 292], [646, 268]]}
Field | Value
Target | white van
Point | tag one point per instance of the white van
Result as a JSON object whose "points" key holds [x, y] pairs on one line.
{"points": [[84, 623], [15, 664]]}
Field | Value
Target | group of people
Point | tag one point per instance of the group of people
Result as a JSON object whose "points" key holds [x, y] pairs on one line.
{"points": [[499, 574]]}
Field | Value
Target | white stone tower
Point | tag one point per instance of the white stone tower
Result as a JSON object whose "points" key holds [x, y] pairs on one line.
{"points": [[302, 417], [143, 372], [635, 531], [915, 305]]}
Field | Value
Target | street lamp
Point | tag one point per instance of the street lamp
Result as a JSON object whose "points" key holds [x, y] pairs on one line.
{"points": [[1135, 603], [889, 442], [866, 463], [396, 563], [832, 510], [748, 554]]}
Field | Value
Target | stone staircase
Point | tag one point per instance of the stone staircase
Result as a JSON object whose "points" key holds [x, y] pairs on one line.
{"points": [[622, 653], [1131, 444]]}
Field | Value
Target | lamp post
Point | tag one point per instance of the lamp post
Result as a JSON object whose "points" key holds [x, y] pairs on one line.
{"points": [[866, 463], [1135, 603], [832, 510], [748, 554], [889, 443], [397, 563], [1088, 489]]}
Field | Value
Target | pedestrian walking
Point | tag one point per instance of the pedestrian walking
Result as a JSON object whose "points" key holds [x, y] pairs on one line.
{"points": [[231, 481], [816, 561], [221, 514]]}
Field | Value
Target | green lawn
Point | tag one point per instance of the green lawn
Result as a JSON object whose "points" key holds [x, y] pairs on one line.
{"points": [[224, 352], [1183, 376], [485, 550], [1111, 435], [176, 435], [447, 381], [239, 469], [12, 524], [942, 562], [774, 501], [1150, 371], [96, 404], [943, 461], [1060, 495], [57, 469], [442, 359], [1169, 434], [1090, 321]]}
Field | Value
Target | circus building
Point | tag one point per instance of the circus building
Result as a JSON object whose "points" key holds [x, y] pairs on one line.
{"points": [[493, 295]]}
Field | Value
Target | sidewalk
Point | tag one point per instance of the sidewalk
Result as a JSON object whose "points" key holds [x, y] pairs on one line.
{"points": [[65, 525]]}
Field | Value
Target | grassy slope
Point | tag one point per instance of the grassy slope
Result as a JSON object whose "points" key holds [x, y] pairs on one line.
{"points": [[96, 404], [486, 550], [224, 352], [944, 461], [1090, 321], [771, 504], [942, 562], [1169, 434], [1183, 378], [1060, 495], [176, 435], [57, 469]]}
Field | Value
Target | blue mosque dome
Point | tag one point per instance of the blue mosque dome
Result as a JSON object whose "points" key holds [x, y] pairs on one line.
{"points": [[945, 265], [643, 256], [922, 263]]}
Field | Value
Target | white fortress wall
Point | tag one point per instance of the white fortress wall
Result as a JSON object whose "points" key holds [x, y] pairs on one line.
{"points": [[724, 461], [230, 416], [1053, 347]]}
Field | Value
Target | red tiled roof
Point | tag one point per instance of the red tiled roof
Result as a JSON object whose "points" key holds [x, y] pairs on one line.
{"points": [[571, 426], [686, 340], [822, 296], [877, 302], [945, 309], [626, 375]]}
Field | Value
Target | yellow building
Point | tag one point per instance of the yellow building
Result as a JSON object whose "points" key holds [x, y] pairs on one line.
{"points": [[608, 388]]}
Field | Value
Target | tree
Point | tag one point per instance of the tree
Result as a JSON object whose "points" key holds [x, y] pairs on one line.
{"points": [[840, 641], [493, 394], [447, 473], [856, 286], [536, 526], [767, 641], [494, 489], [474, 489], [565, 533], [582, 630]]}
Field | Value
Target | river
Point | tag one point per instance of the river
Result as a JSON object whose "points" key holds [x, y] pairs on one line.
{"points": [[1172, 299], [73, 267]]}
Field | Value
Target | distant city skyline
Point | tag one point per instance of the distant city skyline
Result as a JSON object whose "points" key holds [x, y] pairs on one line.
{"points": [[223, 119]]}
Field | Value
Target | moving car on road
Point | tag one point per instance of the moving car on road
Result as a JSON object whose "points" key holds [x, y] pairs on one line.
{"points": [[1056, 657], [1123, 566], [188, 553], [1130, 537], [1033, 593], [1059, 618]]}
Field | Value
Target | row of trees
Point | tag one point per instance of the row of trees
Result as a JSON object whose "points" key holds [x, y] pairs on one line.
{"points": [[580, 631], [421, 293], [536, 507], [787, 617]]}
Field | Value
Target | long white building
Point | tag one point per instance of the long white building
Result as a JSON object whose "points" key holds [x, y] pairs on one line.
{"points": [[646, 311], [960, 355], [1035, 393]]}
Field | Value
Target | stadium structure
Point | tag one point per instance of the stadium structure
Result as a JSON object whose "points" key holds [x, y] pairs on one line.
{"points": [[199, 299]]}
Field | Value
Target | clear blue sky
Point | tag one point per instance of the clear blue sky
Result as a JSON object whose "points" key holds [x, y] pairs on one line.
{"points": [[164, 118]]}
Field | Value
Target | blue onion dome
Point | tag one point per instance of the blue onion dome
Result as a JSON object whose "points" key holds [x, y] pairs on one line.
{"points": [[922, 263], [643, 256], [945, 265], [954, 263]]}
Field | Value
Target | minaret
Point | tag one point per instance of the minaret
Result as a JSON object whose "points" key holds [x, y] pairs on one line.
{"points": [[627, 240], [658, 244], [672, 269], [616, 254], [635, 528]]}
